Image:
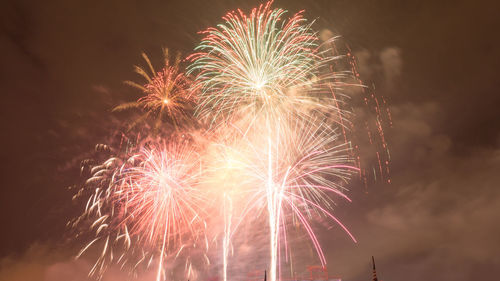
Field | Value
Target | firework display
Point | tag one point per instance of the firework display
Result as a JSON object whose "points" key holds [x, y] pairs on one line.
{"points": [[253, 138]]}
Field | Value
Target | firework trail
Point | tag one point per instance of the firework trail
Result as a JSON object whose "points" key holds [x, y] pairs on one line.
{"points": [[167, 94], [147, 205], [297, 166], [224, 182]]}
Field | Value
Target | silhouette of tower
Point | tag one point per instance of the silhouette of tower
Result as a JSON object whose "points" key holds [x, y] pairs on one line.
{"points": [[374, 271]]}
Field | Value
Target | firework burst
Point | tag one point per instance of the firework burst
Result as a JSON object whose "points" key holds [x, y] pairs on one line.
{"points": [[167, 94], [147, 205], [260, 63]]}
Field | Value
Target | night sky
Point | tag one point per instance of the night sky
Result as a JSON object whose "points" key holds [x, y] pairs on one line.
{"points": [[63, 64]]}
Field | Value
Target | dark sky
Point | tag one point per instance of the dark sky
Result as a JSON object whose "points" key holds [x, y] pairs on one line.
{"points": [[436, 62]]}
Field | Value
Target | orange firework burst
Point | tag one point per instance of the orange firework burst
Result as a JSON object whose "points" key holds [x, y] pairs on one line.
{"points": [[167, 94]]}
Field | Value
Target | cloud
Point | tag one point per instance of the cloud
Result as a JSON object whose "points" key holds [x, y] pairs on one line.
{"points": [[444, 220], [437, 220], [383, 67], [392, 64]]}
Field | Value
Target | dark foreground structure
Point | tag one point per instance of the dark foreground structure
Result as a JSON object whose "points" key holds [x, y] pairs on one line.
{"points": [[374, 271], [316, 273]]}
